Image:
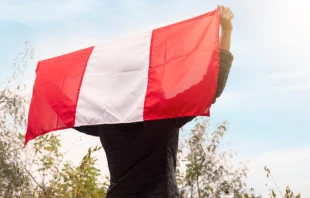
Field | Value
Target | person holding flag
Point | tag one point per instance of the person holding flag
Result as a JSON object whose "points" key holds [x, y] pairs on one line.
{"points": [[142, 156], [171, 75]]}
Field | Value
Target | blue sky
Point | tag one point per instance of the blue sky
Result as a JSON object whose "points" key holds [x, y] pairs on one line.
{"points": [[266, 100]]}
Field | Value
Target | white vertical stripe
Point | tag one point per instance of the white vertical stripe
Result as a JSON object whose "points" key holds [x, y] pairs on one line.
{"points": [[115, 82]]}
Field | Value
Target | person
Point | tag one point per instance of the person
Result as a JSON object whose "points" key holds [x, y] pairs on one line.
{"points": [[142, 156]]}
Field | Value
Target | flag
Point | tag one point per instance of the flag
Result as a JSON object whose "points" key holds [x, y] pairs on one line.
{"points": [[168, 72]]}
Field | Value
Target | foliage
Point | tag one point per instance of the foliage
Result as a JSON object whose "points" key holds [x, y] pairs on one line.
{"points": [[206, 169], [68, 181], [209, 171], [38, 170], [82, 180], [14, 180]]}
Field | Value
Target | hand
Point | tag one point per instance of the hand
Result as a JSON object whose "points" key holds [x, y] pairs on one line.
{"points": [[226, 17]]}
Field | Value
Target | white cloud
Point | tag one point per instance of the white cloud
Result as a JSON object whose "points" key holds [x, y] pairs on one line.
{"points": [[30, 11], [284, 165], [282, 29], [288, 81], [274, 36], [296, 87], [290, 75]]}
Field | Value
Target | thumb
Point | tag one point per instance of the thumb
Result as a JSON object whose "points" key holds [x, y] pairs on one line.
{"points": [[221, 7]]}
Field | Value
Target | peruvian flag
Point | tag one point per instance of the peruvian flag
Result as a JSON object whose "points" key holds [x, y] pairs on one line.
{"points": [[168, 72]]}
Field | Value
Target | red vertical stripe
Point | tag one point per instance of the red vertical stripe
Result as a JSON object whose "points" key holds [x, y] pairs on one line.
{"points": [[183, 69], [55, 93]]}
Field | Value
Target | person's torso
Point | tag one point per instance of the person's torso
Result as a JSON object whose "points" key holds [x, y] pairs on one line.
{"points": [[142, 159]]}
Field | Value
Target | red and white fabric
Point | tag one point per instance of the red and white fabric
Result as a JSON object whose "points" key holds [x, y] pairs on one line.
{"points": [[168, 72]]}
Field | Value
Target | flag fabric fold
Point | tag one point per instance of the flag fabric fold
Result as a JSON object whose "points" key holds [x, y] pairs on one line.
{"points": [[168, 72]]}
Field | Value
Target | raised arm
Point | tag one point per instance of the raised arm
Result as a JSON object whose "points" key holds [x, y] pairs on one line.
{"points": [[226, 58], [226, 17]]}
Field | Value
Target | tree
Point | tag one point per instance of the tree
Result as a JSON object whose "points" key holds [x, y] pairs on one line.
{"points": [[38, 170], [83, 179], [206, 170], [69, 180], [14, 180]]}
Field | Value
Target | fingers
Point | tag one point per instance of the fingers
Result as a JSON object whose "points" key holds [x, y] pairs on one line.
{"points": [[221, 8], [226, 12], [224, 9], [228, 15]]}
